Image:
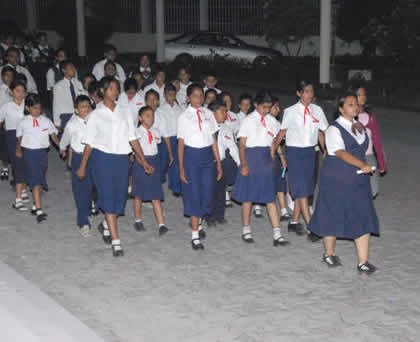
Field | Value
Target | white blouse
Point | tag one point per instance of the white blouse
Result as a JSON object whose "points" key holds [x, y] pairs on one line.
{"points": [[333, 139]]}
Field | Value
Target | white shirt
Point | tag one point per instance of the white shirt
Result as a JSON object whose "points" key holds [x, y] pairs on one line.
{"points": [[226, 141], [333, 139], [62, 99], [22, 59], [233, 122], [31, 85], [12, 113], [252, 128], [74, 133], [35, 136], [51, 77], [132, 105], [170, 115], [160, 123], [218, 91], [189, 127], [160, 90], [181, 95], [302, 130], [110, 131], [4, 94], [241, 116], [99, 72], [142, 134]]}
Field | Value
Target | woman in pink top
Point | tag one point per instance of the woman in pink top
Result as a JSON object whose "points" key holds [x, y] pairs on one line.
{"points": [[375, 155]]}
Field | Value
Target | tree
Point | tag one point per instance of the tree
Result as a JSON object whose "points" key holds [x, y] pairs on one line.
{"points": [[289, 21]]}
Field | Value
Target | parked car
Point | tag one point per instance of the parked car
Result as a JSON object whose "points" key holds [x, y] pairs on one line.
{"points": [[216, 44]]}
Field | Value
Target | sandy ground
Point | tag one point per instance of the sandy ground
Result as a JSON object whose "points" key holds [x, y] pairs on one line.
{"points": [[162, 290]]}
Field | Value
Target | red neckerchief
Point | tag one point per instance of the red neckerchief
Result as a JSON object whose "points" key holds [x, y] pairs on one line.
{"points": [[199, 118], [35, 123], [307, 112]]}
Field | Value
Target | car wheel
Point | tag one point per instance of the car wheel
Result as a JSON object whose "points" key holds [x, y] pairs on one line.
{"points": [[261, 62], [184, 59]]}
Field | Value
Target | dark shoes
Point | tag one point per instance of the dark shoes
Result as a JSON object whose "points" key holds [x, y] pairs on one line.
{"points": [[332, 260], [366, 268]]}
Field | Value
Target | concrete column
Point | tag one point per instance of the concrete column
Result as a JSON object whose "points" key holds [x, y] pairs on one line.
{"points": [[325, 43], [31, 15], [160, 31], [204, 15], [146, 16], [81, 33]]}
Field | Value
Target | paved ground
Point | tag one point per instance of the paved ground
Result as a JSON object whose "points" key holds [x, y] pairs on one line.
{"points": [[163, 291]]}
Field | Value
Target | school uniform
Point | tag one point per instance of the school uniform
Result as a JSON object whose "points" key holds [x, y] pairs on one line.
{"points": [[181, 95], [12, 114], [241, 116], [345, 206], [233, 122], [160, 91], [147, 75], [302, 125], [65, 93], [31, 85], [161, 125], [258, 186], [99, 72], [109, 134], [22, 59], [148, 187], [82, 189], [225, 143], [54, 75], [133, 105], [35, 133], [196, 127], [170, 115], [5, 97]]}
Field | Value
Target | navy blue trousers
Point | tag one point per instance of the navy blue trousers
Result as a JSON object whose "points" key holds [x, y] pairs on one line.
{"points": [[82, 191]]}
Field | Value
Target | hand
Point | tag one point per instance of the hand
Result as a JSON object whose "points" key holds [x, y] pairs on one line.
{"points": [[63, 154], [132, 157], [219, 171], [81, 173], [69, 163], [58, 128], [171, 160], [182, 176], [19, 153], [245, 171], [148, 168], [324, 154], [366, 169]]}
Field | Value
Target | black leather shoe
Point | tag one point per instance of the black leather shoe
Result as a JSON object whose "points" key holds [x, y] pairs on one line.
{"points": [[202, 234], [101, 228], [41, 217], [138, 226], [163, 230], [196, 244], [221, 221], [281, 241], [247, 238], [313, 237], [366, 268], [296, 227], [117, 251]]}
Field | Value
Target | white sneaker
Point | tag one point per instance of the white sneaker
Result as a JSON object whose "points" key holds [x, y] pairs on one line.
{"points": [[85, 231]]}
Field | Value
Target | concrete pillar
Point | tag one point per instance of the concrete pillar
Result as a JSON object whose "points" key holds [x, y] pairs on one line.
{"points": [[160, 31], [81, 32], [204, 15], [325, 43], [146, 16], [31, 15]]}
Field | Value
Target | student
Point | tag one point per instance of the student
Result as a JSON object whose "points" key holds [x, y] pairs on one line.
{"points": [[42, 53], [110, 54], [146, 186], [73, 134], [12, 59], [303, 124], [158, 84], [170, 112], [65, 93], [345, 206], [87, 79], [255, 181], [210, 82], [131, 99], [11, 114], [197, 151], [145, 69], [244, 105], [209, 96], [10, 42], [184, 76], [226, 143], [375, 155], [94, 94], [7, 76], [232, 119], [109, 139], [54, 74], [34, 132], [138, 76]]}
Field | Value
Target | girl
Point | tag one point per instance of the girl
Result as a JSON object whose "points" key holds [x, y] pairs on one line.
{"points": [[11, 114], [209, 96], [110, 138], [303, 124], [73, 135], [197, 150], [147, 187], [345, 206], [110, 69], [184, 76], [94, 94], [54, 74], [86, 82], [255, 182], [131, 100], [33, 133], [375, 155], [138, 76], [170, 112], [244, 105], [232, 119], [158, 84]]}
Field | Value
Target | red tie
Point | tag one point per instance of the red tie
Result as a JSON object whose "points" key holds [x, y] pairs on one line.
{"points": [[35, 123], [263, 121], [307, 112], [150, 137], [228, 117], [199, 118]]}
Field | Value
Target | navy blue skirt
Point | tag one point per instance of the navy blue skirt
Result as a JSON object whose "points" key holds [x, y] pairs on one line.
{"points": [[301, 164], [230, 169], [4, 155], [164, 160], [18, 164], [36, 165], [279, 181], [174, 183], [110, 176], [258, 186], [147, 187]]}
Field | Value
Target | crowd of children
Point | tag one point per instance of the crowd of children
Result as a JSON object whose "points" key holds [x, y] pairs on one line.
{"points": [[126, 136]]}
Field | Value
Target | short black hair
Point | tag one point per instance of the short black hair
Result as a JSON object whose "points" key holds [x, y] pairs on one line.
{"points": [[169, 87], [64, 64], [193, 87], [216, 104], [32, 100], [151, 92], [80, 99], [245, 96], [109, 48], [12, 49], [263, 96], [301, 85], [130, 83], [93, 87], [105, 83], [7, 69], [17, 83]]}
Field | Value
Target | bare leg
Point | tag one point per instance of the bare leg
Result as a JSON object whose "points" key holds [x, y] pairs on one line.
{"points": [[194, 223], [329, 245], [296, 211], [137, 208], [282, 199], [36, 193], [273, 214], [19, 188], [111, 220], [246, 213], [362, 246], [157, 207], [304, 208]]}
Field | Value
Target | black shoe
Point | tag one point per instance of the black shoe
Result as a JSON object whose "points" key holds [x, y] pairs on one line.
{"points": [[247, 237], [332, 260], [281, 241], [33, 211], [138, 226], [202, 234], [107, 239], [258, 213], [163, 230], [41, 217], [313, 237], [94, 211], [366, 268], [117, 251], [285, 217], [211, 223], [196, 244], [296, 227], [221, 221]]}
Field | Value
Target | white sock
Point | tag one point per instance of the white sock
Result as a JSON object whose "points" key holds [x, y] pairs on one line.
{"points": [[227, 196], [18, 200], [161, 225], [33, 207], [200, 226], [296, 222], [276, 233], [195, 235], [116, 244], [138, 221], [246, 230], [283, 211], [257, 207], [105, 224], [106, 232]]}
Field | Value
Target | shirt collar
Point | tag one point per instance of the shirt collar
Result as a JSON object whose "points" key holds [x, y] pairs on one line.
{"points": [[345, 123]]}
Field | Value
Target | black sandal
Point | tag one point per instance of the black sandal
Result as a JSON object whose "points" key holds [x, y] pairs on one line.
{"points": [[197, 246]]}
